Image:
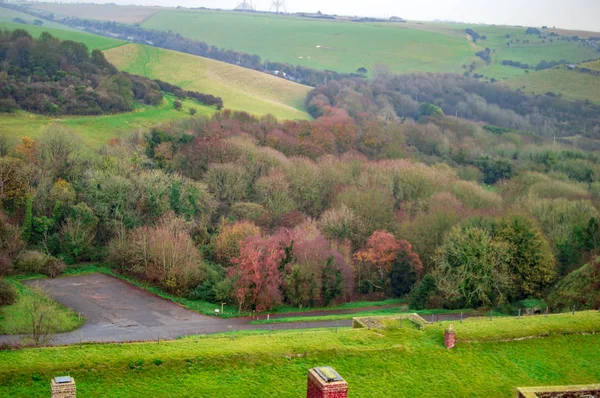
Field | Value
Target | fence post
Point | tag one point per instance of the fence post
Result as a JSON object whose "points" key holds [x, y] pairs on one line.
{"points": [[573, 310], [519, 316], [461, 317], [546, 311], [432, 320], [491, 314], [401, 319], [158, 338]]}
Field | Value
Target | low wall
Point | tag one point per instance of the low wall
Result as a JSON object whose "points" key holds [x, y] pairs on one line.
{"points": [[588, 391], [375, 322]]}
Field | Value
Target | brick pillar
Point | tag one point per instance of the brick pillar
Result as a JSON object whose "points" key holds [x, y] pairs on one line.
{"points": [[450, 338], [324, 382], [63, 387]]}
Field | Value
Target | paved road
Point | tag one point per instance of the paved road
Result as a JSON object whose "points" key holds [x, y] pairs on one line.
{"points": [[118, 311]]}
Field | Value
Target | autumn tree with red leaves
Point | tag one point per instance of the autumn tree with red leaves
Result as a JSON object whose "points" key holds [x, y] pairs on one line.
{"points": [[256, 279], [385, 265]]}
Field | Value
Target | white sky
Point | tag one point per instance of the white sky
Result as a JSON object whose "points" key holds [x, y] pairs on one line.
{"points": [[572, 14]]}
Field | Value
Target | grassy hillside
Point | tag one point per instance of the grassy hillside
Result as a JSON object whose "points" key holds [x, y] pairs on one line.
{"points": [[96, 130], [241, 89], [572, 84], [92, 41], [8, 15], [344, 46], [595, 65], [103, 12], [581, 287], [407, 361]]}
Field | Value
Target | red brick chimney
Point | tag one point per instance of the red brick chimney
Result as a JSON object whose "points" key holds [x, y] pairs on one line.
{"points": [[324, 382], [450, 337]]}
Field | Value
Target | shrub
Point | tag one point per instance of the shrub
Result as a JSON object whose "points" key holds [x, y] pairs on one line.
{"points": [[8, 293], [31, 262], [177, 105], [163, 254]]}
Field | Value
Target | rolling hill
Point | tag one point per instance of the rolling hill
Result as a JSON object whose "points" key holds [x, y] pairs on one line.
{"points": [[102, 12], [241, 89], [322, 44]]}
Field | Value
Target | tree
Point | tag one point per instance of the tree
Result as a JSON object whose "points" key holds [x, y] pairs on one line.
{"points": [[177, 105], [227, 243], [387, 264], [406, 270], [473, 268], [427, 109], [532, 266], [255, 276]]}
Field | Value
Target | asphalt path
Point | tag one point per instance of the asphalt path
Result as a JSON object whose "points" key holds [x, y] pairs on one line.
{"points": [[116, 311]]}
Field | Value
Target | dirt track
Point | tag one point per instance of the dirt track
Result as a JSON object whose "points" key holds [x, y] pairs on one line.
{"points": [[118, 311]]}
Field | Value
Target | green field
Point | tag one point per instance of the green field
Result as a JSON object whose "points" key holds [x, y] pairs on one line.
{"points": [[91, 41], [13, 318], [102, 12], [595, 65], [241, 89], [392, 362], [7, 16], [573, 85], [96, 130], [344, 46]]}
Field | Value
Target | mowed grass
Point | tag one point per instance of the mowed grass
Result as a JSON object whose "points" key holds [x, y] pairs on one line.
{"points": [[241, 89], [344, 46], [14, 318], [94, 131], [375, 363], [572, 85], [103, 12], [91, 41]]}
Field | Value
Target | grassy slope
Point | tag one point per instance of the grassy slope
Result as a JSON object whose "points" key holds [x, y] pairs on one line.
{"points": [[7, 15], [103, 12], [345, 46], [96, 130], [404, 362], [573, 85], [240, 88], [592, 65], [92, 41], [15, 314]]}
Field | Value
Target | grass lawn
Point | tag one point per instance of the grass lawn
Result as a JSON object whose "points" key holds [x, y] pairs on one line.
{"points": [[572, 85], [13, 317], [241, 89], [392, 362], [321, 44], [94, 131], [64, 33]]}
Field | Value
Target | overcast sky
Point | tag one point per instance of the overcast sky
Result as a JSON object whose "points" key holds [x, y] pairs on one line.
{"points": [[572, 14]]}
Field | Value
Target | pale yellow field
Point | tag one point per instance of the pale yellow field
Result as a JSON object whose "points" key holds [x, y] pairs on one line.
{"points": [[240, 88]]}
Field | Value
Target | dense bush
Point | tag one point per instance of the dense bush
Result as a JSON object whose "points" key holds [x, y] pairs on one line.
{"points": [[163, 254], [8, 293]]}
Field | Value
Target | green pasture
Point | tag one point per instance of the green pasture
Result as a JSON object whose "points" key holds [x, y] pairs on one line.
{"points": [[375, 363], [7, 16], [241, 89], [94, 131], [344, 46], [571, 84], [64, 33]]}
